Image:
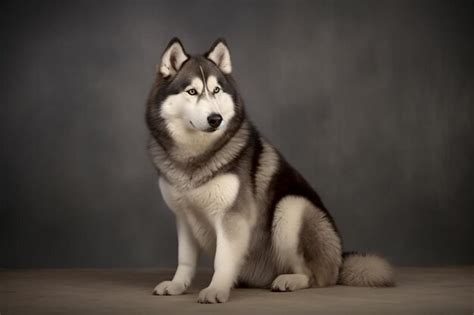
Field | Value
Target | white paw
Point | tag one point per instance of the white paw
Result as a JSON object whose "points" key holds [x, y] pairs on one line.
{"points": [[290, 282], [169, 288], [213, 295]]}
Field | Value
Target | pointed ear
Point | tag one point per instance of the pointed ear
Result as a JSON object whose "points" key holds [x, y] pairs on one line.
{"points": [[173, 58], [220, 55]]}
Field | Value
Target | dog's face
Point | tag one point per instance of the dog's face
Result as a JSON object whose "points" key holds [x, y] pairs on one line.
{"points": [[194, 97]]}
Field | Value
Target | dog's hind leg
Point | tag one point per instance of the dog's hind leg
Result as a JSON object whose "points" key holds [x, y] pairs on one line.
{"points": [[286, 228], [306, 246], [321, 247]]}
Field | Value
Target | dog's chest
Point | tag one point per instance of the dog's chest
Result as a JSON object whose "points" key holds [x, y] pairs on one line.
{"points": [[211, 199], [204, 205]]}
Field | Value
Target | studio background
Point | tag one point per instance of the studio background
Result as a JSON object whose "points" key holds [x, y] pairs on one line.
{"points": [[371, 100]]}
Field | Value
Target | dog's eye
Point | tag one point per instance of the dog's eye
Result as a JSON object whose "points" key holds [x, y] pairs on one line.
{"points": [[192, 91], [216, 90]]}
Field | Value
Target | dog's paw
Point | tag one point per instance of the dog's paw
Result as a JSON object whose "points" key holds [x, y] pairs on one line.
{"points": [[169, 288], [290, 282], [213, 295]]}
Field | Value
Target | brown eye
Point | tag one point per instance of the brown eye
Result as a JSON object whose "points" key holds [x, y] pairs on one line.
{"points": [[216, 90], [192, 92]]}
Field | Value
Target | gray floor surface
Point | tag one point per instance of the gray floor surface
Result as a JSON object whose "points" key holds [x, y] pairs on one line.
{"points": [[128, 291]]}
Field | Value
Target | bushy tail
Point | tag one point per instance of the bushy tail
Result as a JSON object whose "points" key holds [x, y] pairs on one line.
{"points": [[365, 270]]}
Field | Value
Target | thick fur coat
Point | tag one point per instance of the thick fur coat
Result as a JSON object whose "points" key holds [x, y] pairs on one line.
{"points": [[233, 194]]}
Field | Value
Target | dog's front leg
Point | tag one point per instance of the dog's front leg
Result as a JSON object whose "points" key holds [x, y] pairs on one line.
{"points": [[188, 252], [232, 234]]}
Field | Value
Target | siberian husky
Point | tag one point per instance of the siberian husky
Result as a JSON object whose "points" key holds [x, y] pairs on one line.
{"points": [[233, 194]]}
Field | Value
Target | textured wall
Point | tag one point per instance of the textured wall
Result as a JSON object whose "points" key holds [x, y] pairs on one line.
{"points": [[371, 100]]}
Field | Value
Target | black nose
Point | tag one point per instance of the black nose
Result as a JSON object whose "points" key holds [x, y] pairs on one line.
{"points": [[214, 120]]}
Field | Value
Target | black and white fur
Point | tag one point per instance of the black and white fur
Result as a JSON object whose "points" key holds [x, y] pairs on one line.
{"points": [[233, 194]]}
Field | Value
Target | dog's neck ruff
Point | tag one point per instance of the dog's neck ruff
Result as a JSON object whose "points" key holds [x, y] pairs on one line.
{"points": [[197, 170]]}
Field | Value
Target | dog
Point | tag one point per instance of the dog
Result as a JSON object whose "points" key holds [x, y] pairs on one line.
{"points": [[233, 194]]}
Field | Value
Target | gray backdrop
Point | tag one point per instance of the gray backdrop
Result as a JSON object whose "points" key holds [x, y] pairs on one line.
{"points": [[371, 100]]}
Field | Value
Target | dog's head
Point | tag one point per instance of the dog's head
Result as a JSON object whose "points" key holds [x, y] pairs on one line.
{"points": [[194, 101]]}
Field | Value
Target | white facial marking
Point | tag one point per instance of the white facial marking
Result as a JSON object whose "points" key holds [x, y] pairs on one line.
{"points": [[196, 84], [212, 83], [186, 115]]}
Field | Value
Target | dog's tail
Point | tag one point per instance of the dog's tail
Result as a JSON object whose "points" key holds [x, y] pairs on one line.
{"points": [[365, 270]]}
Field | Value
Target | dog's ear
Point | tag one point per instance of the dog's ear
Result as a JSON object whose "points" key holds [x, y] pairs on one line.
{"points": [[173, 58], [220, 55]]}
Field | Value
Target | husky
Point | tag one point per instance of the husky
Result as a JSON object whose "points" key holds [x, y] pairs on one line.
{"points": [[233, 194]]}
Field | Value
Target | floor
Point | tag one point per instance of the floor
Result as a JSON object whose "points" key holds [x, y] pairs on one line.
{"points": [[128, 291]]}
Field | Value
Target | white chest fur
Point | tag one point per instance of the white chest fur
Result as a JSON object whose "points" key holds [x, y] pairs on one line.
{"points": [[202, 207]]}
